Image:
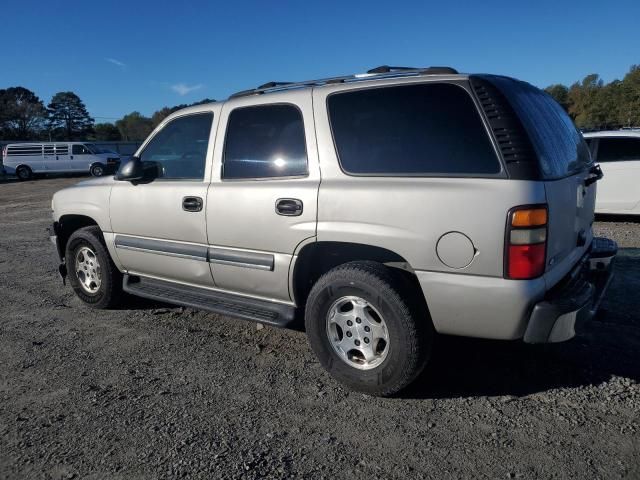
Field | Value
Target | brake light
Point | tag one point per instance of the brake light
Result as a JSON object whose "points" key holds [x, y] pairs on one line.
{"points": [[526, 242]]}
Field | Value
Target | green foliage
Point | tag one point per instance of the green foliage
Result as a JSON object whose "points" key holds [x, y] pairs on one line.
{"points": [[22, 114], [134, 126], [68, 117], [106, 132], [592, 104], [560, 93]]}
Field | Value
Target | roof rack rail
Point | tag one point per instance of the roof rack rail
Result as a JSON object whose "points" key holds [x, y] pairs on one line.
{"points": [[388, 69], [273, 84], [383, 71]]}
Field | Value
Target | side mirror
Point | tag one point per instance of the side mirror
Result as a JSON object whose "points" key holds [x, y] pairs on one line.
{"points": [[138, 171], [131, 171]]}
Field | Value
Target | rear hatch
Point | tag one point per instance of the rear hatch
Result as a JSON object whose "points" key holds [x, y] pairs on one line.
{"points": [[550, 149]]}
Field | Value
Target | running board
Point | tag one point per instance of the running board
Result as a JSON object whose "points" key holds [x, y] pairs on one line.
{"points": [[263, 311]]}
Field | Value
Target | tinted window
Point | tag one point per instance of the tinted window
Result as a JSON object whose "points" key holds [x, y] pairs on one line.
{"points": [[559, 145], [62, 149], [265, 141], [79, 150], [180, 148], [618, 149], [410, 130], [24, 150]]}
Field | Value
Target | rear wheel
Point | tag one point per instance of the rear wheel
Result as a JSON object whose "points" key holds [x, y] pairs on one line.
{"points": [[97, 170], [366, 328], [92, 274], [24, 173]]}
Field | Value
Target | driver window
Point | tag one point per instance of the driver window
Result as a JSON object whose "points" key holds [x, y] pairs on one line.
{"points": [[79, 150], [180, 148]]}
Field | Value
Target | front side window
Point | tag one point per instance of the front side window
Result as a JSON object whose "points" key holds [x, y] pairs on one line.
{"points": [[180, 148], [80, 150], [265, 141], [618, 149], [411, 130]]}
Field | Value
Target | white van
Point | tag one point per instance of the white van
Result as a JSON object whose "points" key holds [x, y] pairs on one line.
{"points": [[26, 159], [618, 153]]}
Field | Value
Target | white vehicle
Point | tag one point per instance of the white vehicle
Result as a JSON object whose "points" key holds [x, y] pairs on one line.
{"points": [[26, 159], [618, 153]]}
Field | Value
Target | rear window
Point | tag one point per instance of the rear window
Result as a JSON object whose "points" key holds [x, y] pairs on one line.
{"points": [[558, 144], [411, 130]]}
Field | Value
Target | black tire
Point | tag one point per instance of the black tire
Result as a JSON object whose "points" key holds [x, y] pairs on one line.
{"points": [[24, 173], [406, 316], [109, 292], [97, 170]]}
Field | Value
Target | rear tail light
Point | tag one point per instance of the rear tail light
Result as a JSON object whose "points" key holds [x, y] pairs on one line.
{"points": [[526, 242]]}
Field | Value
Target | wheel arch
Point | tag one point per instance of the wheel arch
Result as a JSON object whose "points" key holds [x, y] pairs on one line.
{"points": [[317, 258], [66, 225]]}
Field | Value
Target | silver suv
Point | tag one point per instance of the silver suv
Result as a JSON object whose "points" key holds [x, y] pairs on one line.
{"points": [[382, 208]]}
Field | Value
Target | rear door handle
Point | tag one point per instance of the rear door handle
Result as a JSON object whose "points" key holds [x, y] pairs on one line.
{"points": [[289, 207], [192, 204]]}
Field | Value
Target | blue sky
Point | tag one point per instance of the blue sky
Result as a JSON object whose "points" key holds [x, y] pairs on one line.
{"points": [[143, 55]]}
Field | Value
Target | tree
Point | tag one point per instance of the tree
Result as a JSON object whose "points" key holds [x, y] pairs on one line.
{"points": [[159, 115], [582, 98], [560, 93], [134, 126], [106, 132], [629, 112], [68, 117], [22, 114]]}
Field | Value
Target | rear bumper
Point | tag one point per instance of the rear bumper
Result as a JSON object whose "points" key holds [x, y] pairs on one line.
{"points": [[575, 299]]}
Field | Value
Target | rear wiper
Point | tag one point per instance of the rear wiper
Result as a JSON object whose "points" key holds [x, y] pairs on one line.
{"points": [[596, 173]]}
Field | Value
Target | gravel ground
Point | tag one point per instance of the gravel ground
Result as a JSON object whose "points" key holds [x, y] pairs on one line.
{"points": [[154, 391]]}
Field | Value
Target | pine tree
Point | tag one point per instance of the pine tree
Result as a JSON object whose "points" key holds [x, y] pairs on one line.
{"points": [[68, 117]]}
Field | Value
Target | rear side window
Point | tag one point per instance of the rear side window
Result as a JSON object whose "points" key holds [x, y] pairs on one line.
{"points": [[24, 150], [558, 144], [265, 141], [411, 130], [62, 149], [618, 149]]}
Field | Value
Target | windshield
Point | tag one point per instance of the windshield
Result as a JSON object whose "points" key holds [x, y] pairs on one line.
{"points": [[92, 148], [559, 145]]}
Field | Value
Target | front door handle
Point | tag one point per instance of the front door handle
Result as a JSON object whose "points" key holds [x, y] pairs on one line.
{"points": [[290, 207], [192, 204]]}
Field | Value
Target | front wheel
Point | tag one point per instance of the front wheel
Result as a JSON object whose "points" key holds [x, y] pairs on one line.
{"points": [[97, 170], [92, 274], [367, 328]]}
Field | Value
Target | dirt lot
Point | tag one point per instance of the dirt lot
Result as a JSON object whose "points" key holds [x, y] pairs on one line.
{"points": [[151, 391]]}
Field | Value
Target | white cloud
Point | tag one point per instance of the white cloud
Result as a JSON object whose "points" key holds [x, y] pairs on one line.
{"points": [[182, 89], [118, 63]]}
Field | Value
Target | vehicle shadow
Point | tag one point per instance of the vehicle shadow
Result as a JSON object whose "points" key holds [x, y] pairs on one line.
{"points": [[132, 302], [609, 217], [42, 176], [605, 347]]}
